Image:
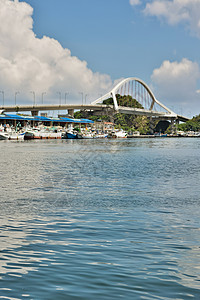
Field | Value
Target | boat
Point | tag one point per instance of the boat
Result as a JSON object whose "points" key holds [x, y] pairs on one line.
{"points": [[101, 135], [45, 133], [11, 135], [88, 135], [121, 134], [160, 134], [70, 135], [118, 134]]}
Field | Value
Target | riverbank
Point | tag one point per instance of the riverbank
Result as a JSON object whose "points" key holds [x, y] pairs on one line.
{"points": [[164, 136]]}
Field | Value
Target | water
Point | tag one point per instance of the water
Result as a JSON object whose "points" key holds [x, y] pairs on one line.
{"points": [[100, 219]]}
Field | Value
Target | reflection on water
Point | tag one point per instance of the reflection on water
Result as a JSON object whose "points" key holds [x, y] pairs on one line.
{"points": [[104, 219]]}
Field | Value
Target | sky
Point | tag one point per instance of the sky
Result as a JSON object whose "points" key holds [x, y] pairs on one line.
{"points": [[62, 48]]}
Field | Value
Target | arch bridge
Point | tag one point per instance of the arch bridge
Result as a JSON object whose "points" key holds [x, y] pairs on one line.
{"points": [[138, 90], [134, 88]]}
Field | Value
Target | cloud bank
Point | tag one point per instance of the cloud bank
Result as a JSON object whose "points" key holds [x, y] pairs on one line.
{"points": [[177, 11], [177, 82], [28, 63], [135, 2]]}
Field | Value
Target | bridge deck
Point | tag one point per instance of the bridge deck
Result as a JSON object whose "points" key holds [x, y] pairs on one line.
{"points": [[46, 107], [96, 107]]}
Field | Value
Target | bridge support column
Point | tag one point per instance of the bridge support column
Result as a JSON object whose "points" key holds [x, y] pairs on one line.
{"points": [[111, 114], [34, 113], [174, 126], [71, 112], [151, 125]]}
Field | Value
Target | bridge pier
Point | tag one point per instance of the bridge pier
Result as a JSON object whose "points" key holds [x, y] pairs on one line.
{"points": [[34, 113], [151, 125], [174, 126], [71, 112]]}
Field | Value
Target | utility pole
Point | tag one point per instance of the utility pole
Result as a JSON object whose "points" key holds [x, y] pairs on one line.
{"points": [[86, 97], [59, 93], [43, 97], [82, 96], [33, 97], [66, 97], [2, 96], [16, 97]]}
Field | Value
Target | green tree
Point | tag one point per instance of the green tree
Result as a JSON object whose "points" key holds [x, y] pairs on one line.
{"points": [[191, 125]]}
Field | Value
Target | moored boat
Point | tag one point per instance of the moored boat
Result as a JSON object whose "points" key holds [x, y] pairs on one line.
{"points": [[118, 134], [121, 134], [88, 136], [37, 133], [101, 135], [70, 135], [11, 135]]}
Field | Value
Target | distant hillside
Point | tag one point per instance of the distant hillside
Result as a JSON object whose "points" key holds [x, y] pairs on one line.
{"points": [[191, 125]]}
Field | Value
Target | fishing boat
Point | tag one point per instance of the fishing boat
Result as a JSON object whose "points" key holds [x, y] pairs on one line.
{"points": [[118, 134], [45, 133], [70, 135], [101, 135], [121, 134], [11, 135], [88, 135], [160, 134]]}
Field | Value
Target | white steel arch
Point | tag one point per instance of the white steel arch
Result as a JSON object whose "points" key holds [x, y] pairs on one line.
{"points": [[112, 94]]}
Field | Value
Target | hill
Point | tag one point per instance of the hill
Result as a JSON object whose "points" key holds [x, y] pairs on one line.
{"points": [[191, 125]]}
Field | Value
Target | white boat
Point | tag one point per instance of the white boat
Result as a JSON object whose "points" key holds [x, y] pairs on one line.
{"points": [[11, 135], [121, 134], [37, 133], [101, 135], [87, 136]]}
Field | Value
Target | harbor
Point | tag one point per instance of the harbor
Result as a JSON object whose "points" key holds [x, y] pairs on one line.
{"points": [[25, 127], [99, 143], [21, 127]]}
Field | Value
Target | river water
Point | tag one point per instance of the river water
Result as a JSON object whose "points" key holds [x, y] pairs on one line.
{"points": [[100, 219]]}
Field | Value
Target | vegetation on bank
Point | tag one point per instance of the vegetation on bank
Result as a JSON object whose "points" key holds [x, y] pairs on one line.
{"points": [[191, 125], [129, 122]]}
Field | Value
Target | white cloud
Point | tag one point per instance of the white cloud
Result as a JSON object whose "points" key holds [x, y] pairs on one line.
{"points": [[134, 2], [176, 11], [175, 85], [28, 63]]}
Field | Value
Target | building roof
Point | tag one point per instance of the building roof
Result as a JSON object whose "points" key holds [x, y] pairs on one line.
{"points": [[42, 119]]}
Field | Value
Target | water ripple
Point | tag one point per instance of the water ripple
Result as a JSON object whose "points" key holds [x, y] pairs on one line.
{"points": [[100, 220]]}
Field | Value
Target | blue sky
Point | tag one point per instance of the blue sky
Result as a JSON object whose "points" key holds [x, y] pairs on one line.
{"points": [[112, 36], [77, 42]]}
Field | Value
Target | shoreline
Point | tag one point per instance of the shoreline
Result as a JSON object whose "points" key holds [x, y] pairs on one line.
{"points": [[168, 136]]}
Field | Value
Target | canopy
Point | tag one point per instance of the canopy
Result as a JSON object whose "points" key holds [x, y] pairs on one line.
{"points": [[43, 119]]}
